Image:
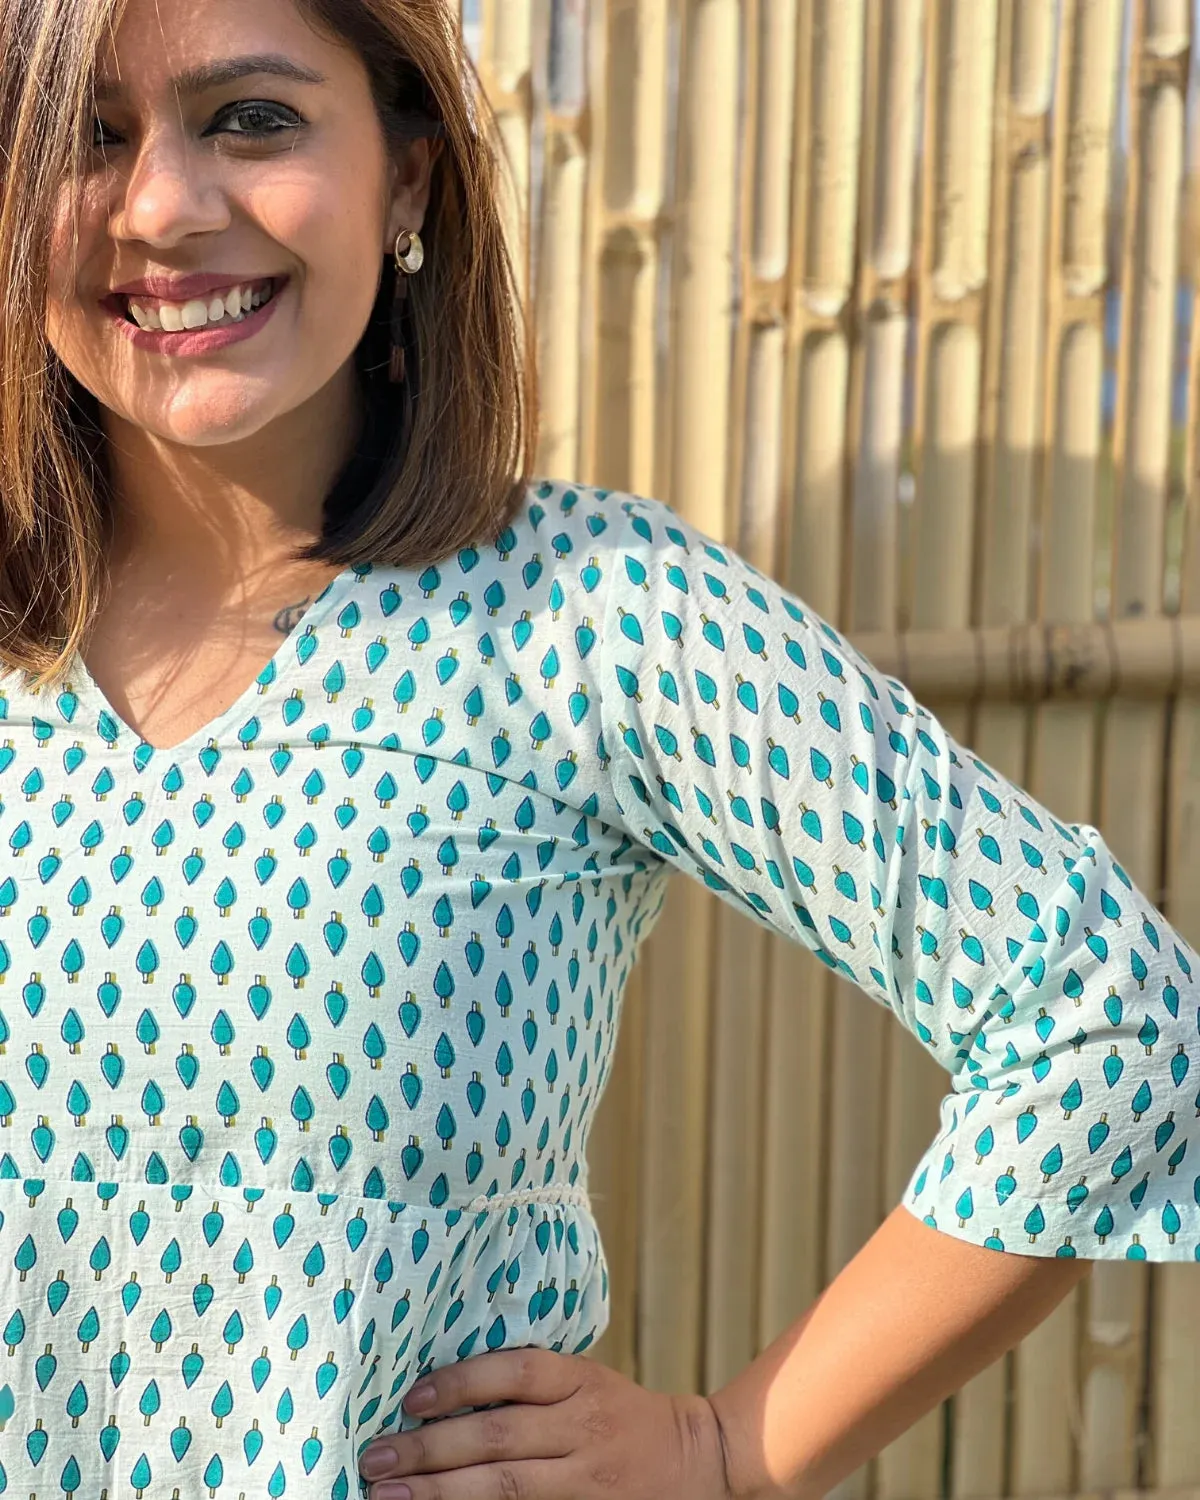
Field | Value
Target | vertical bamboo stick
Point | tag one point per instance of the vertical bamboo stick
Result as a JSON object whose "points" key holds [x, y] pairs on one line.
{"points": [[740, 947], [694, 481], [627, 121], [706, 210], [955, 219], [614, 1146], [1061, 771], [1135, 731], [961, 52], [1044, 1366], [797, 997], [1174, 1452], [836, 103], [505, 67], [561, 241], [1007, 330], [699, 421], [786, 1187], [827, 155], [628, 126], [1010, 315], [913, 1083]]}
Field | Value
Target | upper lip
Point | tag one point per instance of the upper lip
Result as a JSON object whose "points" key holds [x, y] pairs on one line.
{"points": [[182, 288]]}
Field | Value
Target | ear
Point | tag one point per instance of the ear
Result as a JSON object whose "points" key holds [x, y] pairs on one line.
{"points": [[411, 178]]}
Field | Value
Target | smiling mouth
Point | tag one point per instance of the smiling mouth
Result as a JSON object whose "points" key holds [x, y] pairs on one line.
{"points": [[220, 310]]}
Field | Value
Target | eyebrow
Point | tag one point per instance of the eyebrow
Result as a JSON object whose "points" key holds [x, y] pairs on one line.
{"points": [[213, 75]]}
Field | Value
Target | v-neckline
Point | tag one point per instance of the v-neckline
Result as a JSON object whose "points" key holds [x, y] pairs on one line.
{"points": [[283, 657]]}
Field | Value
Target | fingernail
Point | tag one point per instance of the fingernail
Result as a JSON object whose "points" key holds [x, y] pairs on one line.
{"points": [[420, 1397], [393, 1492], [377, 1461]]}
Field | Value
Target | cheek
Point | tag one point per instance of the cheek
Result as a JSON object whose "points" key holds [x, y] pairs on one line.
{"points": [[67, 316], [334, 238]]}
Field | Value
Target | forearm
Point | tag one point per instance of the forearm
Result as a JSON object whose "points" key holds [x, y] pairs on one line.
{"points": [[908, 1321]]}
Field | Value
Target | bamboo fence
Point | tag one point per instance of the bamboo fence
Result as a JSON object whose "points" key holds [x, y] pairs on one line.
{"points": [[833, 277]]}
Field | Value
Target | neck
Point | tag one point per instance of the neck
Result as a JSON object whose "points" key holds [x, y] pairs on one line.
{"points": [[229, 510]]}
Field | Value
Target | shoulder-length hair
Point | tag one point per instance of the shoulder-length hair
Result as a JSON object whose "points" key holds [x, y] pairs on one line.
{"points": [[445, 456]]}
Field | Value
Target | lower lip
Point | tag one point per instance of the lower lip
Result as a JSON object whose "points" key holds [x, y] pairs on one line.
{"points": [[199, 340]]}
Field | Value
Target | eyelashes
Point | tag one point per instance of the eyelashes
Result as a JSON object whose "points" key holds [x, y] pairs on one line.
{"points": [[270, 119], [279, 119]]}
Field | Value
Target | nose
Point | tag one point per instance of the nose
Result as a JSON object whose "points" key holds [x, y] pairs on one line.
{"points": [[171, 192]]}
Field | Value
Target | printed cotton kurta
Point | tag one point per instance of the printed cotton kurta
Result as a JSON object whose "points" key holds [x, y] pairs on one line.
{"points": [[304, 1022]]}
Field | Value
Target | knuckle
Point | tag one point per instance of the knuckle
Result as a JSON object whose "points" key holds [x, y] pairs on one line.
{"points": [[598, 1422], [527, 1365], [605, 1476], [508, 1485], [496, 1434]]}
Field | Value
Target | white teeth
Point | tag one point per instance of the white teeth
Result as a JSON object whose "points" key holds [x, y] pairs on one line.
{"points": [[176, 317]]}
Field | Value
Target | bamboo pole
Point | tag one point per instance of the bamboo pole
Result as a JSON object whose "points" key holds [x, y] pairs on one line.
{"points": [[627, 120], [961, 59], [1174, 1451], [779, 1265], [696, 483], [505, 67], [702, 284], [1010, 317], [1134, 744], [797, 998], [1045, 1453], [826, 188], [735, 1199], [1041, 660], [960, 52], [560, 235], [911, 1082], [628, 124], [614, 1145]]}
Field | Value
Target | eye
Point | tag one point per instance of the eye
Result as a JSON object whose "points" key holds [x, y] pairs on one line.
{"points": [[256, 118], [99, 131]]}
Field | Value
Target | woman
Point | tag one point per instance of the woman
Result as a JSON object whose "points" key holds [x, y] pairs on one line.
{"points": [[343, 768]]}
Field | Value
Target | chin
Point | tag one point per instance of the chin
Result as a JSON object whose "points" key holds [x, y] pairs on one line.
{"points": [[209, 418]]}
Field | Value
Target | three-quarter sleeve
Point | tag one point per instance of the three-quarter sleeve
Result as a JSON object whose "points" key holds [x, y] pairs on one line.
{"points": [[755, 749]]}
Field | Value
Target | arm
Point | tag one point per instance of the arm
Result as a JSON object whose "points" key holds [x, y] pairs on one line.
{"points": [[751, 746], [908, 1321]]}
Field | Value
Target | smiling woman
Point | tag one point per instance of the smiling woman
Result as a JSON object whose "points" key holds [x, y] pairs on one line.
{"points": [[236, 146]]}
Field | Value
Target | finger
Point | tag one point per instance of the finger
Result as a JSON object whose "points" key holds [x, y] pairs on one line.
{"points": [[504, 1434], [538, 1376], [535, 1479]]}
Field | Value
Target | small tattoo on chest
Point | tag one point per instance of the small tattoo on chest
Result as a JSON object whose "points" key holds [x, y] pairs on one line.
{"points": [[290, 616]]}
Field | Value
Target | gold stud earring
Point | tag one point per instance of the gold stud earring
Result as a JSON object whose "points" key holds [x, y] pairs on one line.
{"points": [[408, 262]]}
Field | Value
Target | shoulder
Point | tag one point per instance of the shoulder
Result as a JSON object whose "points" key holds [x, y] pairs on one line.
{"points": [[600, 533], [568, 518]]}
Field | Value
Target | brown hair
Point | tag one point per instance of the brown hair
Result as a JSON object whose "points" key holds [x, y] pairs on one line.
{"points": [[445, 457]]}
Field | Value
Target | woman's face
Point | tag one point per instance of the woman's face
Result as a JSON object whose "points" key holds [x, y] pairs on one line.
{"points": [[239, 155]]}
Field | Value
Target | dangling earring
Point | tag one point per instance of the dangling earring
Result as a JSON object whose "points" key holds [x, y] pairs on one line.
{"points": [[408, 263]]}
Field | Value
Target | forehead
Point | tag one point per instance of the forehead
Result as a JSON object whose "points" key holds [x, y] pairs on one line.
{"points": [[181, 46]]}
